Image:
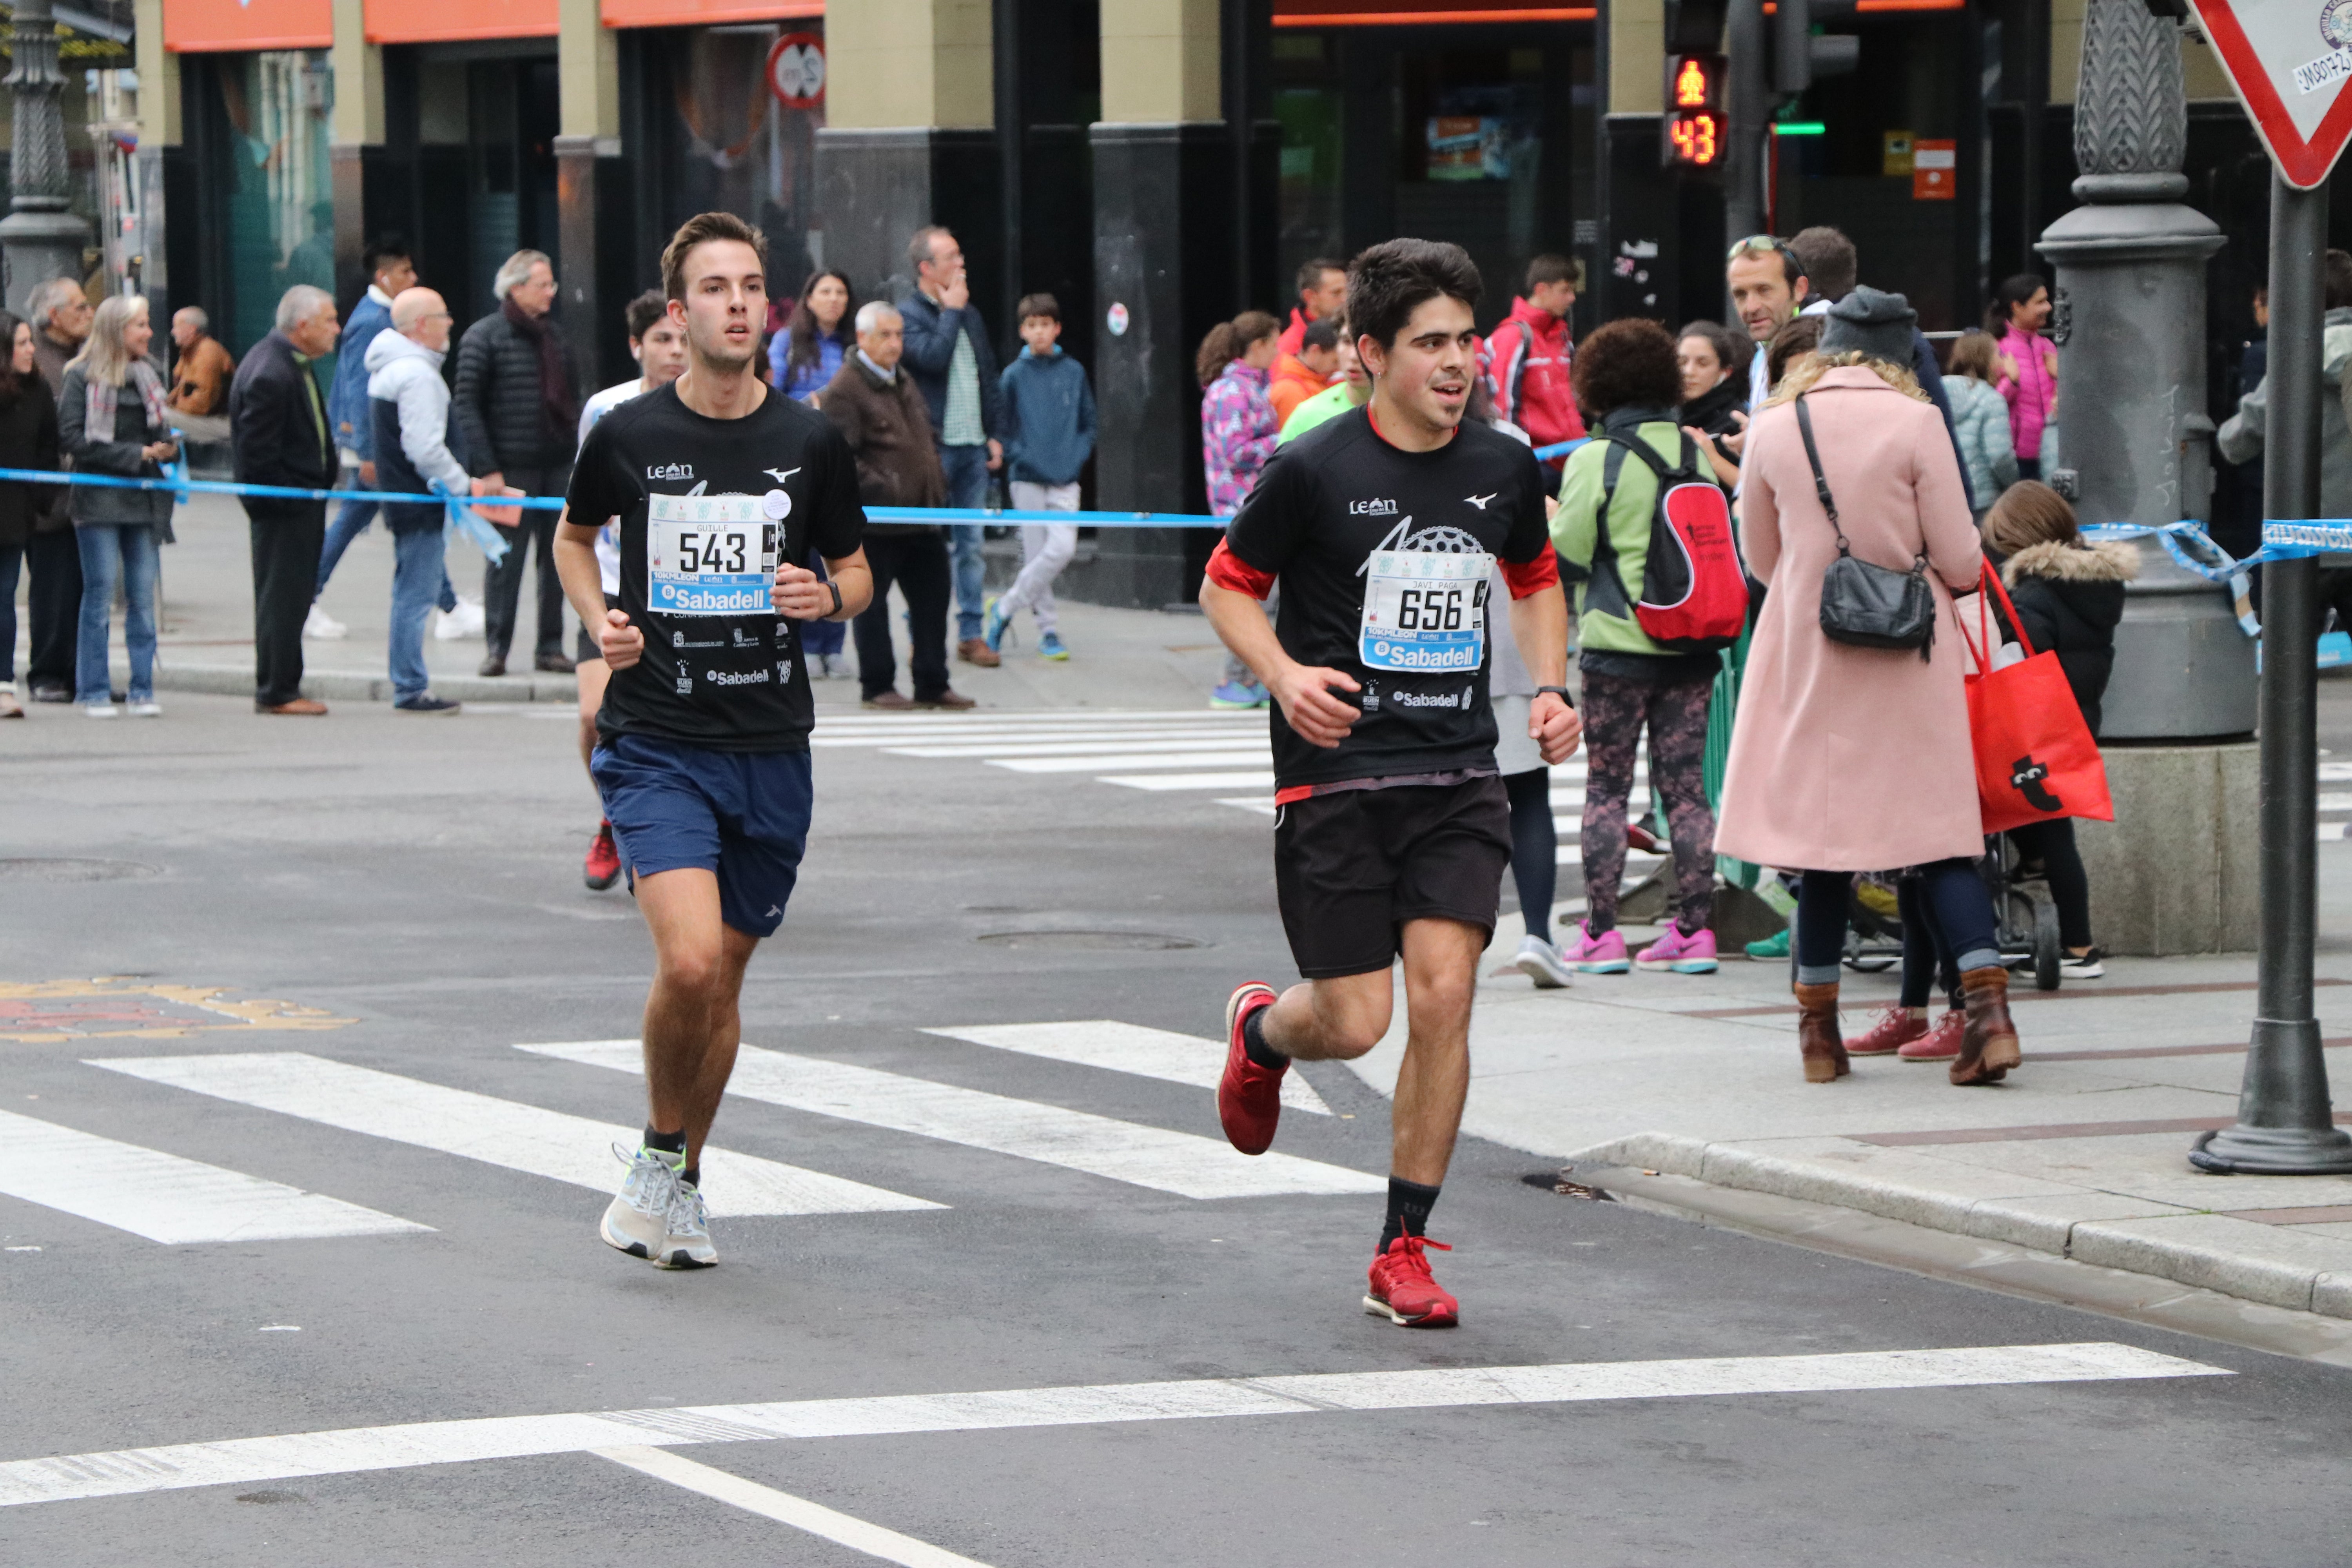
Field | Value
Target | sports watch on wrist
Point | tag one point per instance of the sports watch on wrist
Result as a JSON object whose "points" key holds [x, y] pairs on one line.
{"points": [[1562, 692], [837, 595]]}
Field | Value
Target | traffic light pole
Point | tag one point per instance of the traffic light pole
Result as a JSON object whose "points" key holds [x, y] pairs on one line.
{"points": [[2285, 1124], [1747, 114]]}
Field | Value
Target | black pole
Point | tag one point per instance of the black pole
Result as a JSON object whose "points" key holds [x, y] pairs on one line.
{"points": [[1011, 164], [2285, 1124], [1747, 110]]}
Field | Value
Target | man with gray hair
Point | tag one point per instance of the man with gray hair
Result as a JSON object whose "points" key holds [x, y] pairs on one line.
{"points": [[517, 406], [279, 434], [61, 314]]}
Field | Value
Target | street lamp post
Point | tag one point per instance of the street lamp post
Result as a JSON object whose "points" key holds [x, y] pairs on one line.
{"points": [[2135, 441], [39, 240]]}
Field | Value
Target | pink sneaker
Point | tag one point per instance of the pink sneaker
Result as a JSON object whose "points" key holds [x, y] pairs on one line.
{"points": [[1693, 954], [1602, 954]]}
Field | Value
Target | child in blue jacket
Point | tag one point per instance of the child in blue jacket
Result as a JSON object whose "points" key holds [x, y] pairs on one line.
{"points": [[1049, 409]]}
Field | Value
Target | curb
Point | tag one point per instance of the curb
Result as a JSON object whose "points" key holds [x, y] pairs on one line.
{"points": [[347, 686], [2254, 1262]]}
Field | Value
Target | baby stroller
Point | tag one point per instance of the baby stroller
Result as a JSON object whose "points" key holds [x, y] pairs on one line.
{"points": [[2025, 920], [1874, 927]]}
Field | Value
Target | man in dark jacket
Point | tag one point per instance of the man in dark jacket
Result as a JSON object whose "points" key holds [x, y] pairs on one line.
{"points": [[952, 360], [279, 434], [60, 314], [517, 407], [879, 410]]}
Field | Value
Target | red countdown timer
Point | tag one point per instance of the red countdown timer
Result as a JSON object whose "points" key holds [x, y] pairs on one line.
{"points": [[1693, 124]]}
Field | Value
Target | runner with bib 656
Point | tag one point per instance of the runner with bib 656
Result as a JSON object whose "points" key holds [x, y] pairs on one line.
{"points": [[1383, 526]]}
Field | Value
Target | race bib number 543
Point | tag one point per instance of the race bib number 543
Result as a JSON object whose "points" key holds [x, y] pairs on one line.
{"points": [[708, 556], [1424, 613]]}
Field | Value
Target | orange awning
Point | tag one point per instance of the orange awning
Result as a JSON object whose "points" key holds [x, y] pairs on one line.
{"points": [[444, 21], [693, 13], [192, 26]]}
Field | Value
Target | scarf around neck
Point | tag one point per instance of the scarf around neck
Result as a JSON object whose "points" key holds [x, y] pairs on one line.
{"points": [[98, 401], [555, 399]]}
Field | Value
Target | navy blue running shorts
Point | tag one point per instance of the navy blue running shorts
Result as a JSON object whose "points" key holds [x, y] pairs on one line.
{"points": [[743, 816]]}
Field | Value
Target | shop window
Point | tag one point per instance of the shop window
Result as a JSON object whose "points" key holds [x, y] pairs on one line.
{"points": [[277, 187], [725, 142]]}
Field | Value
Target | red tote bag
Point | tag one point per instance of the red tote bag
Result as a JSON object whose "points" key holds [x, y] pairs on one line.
{"points": [[2035, 758]]}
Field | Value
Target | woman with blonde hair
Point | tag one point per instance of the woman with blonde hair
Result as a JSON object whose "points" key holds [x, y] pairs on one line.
{"points": [[1980, 417], [1847, 757], [111, 420]]}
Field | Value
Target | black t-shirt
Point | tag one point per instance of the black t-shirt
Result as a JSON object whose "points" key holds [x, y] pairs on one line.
{"points": [[1339, 512], [702, 503]]}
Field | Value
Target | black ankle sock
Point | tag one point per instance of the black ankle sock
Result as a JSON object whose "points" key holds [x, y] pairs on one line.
{"points": [[1254, 1042], [1409, 1206], [665, 1143], [691, 1177]]}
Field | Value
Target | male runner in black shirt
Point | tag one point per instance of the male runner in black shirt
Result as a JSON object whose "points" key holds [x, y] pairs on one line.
{"points": [[722, 487], [1392, 830]]}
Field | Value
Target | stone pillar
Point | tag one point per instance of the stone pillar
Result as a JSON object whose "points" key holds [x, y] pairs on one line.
{"points": [[587, 168], [159, 129], [909, 140], [1164, 274], [39, 240], [2134, 440], [2133, 434], [357, 142]]}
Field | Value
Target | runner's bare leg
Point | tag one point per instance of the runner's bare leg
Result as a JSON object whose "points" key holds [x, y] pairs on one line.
{"points": [[693, 1023]]}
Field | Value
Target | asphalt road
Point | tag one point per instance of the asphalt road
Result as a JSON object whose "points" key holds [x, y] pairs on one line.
{"points": [[420, 879]]}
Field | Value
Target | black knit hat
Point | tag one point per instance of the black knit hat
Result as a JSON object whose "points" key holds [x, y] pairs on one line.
{"points": [[1871, 322]]}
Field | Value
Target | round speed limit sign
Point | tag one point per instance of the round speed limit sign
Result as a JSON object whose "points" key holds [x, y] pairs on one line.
{"points": [[796, 70]]}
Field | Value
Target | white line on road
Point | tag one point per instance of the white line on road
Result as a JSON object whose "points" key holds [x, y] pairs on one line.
{"points": [[1263, 779], [241, 1461], [497, 1131], [785, 1509], [921, 742], [1128, 1048], [1197, 757], [1180, 1162], [1092, 746], [164, 1197]]}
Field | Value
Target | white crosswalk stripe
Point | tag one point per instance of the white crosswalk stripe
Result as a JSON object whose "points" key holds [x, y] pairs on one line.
{"points": [[166, 1198], [1180, 1162], [502, 1133], [1128, 1048], [1197, 750]]}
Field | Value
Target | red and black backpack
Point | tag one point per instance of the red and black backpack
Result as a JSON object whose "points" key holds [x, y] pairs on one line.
{"points": [[1694, 595]]}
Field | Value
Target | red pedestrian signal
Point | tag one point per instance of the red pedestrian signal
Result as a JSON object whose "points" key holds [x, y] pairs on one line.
{"points": [[1693, 125]]}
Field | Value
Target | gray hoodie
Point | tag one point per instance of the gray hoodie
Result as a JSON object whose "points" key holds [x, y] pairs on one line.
{"points": [[2240, 440], [403, 372]]}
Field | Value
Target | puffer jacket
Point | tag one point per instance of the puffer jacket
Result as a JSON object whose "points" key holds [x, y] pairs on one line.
{"points": [[2033, 396], [1237, 435], [2070, 598], [505, 422], [2241, 437], [1980, 425], [409, 428]]}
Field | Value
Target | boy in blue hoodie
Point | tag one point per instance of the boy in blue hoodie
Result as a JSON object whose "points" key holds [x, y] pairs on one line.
{"points": [[1049, 409]]}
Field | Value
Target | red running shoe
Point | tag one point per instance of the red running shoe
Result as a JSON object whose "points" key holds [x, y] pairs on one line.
{"points": [[604, 865], [1896, 1028], [1249, 1097], [1403, 1291]]}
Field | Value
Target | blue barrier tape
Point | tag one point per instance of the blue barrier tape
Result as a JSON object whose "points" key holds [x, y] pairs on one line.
{"points": [[1560, 448]]}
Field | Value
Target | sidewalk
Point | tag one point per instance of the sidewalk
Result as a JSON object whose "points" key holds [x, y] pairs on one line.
{"points": [[2081, 1153], [1123, 659]]}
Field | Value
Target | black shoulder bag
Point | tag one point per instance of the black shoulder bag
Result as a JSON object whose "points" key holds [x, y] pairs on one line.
{"points": [[1865, 605]]}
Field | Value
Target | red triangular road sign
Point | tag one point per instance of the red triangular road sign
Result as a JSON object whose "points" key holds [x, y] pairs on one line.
{"points": [[2291, 61]]}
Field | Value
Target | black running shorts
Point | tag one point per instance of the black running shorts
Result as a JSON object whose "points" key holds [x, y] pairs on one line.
{"points": [[1351, 868]]}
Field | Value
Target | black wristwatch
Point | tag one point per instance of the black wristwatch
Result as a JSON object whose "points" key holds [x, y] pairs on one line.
{"points": [[836, 596], [1562, 692]]}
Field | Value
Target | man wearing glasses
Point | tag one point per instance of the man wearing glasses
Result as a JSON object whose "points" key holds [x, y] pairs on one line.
{"points": [[1768, 285]]}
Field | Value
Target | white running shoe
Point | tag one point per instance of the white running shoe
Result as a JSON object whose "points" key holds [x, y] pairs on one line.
{"points": [[100, 711], [637, 1220], [320, 627], [146, 709], [687, 1244], [466, 620], [1541, 963]]}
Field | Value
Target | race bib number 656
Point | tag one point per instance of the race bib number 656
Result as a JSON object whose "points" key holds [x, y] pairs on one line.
{"points": [[708, 556], [1424, 613]]}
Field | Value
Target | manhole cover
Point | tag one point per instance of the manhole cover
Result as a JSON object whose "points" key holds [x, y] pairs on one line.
{"points": [[28, 871], [1090, 941]]}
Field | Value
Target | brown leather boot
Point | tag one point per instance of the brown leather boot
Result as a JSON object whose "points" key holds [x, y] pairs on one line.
{"points": [[1989, 1042], [1817, 1033]]}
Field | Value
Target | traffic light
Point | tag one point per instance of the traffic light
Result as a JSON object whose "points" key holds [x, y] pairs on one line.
{"points": [[1799, 55], [1694, 26], [1693, 126]]}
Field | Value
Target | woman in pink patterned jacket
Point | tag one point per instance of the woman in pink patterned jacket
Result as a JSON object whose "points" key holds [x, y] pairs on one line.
{"points": [[1237, 421]]}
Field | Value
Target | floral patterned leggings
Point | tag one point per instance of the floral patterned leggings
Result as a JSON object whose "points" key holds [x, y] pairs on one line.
{"points": [[1616, 711]]}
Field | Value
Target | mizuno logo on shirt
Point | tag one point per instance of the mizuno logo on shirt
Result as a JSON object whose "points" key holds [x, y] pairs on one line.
{"points": [[1480, 501], [780, 475]]}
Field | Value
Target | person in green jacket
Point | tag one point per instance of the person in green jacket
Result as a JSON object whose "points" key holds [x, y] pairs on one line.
{"points": [[1628, 382], [1353, 390]]}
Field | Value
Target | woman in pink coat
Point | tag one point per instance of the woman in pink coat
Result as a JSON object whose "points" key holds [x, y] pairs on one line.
{"points": [[2017, 316], [1848, 759]]}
